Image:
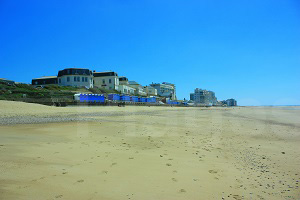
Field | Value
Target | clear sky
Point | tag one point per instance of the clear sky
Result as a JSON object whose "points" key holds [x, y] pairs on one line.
{"points": [[248, 50]]}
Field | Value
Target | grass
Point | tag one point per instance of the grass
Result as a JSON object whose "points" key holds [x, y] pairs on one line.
{"points": [[21, 92]]}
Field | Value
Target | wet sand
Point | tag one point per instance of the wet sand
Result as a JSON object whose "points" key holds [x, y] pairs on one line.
{"points": [[149, 152]]}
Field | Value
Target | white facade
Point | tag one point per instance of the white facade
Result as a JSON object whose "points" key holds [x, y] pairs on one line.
{"points": [[165, 90], [76, 81], [139, 89], [151, 91], [125, 89], [106, 80], [76, 77]]}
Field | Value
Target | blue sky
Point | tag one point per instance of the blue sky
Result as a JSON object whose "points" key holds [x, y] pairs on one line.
{"points": [[248, 50]]}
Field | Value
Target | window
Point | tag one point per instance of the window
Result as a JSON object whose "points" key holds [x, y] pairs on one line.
{"points": [[59, 80], [75, 79], [103, 81], [36, 82], [86, 79], [68, 79], [78, 79], [82, 80], [109, 81]]}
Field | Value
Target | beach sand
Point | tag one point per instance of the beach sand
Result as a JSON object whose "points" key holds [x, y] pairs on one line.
{"points": [[139, 152]]}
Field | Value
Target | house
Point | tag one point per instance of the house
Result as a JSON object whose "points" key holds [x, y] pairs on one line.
{"points": [[151, 91], [108, 80], [76, 77], [139, 89], [45, 80]]}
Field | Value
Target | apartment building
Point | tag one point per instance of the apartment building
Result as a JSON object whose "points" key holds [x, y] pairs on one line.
{"points": [[76, 77], [107, 80], [165, 89], [151, 91], [139, 90], [204, 97]]}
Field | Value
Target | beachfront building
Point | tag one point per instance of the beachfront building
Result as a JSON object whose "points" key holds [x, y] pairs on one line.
{"points": [[165, 89], [45, 80], [123, 80], [108, 80], [192, 96], [125, 89], [151, 91], [75, 77], [139, 90], [231, 102], [204, 97], [124, 86]]}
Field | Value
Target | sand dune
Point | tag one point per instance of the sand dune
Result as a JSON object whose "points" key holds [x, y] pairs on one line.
{"points": [[148, 152]]}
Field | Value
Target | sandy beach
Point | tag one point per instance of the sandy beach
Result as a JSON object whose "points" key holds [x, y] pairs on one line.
{"points": [[139, 152]]}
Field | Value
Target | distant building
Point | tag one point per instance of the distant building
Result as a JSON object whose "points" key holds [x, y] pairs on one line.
{"points": [[151, 91], [165, 89], [124, 86], [204, 97], [107, 80], [192, 96], [45, 80], [123, 80], [231, 102], [139, 90], [76, 77]]}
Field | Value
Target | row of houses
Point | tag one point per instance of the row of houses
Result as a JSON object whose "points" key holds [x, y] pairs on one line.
{"points": [[109, 80]]}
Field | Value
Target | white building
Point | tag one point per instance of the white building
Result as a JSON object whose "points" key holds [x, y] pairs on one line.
{"points": [[151, 91], [139, 89], [125, 89], [76, 77], [107, 80], [164, 89]]}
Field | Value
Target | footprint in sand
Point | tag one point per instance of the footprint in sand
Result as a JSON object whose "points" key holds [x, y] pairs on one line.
{"points": [[174, 179], [168, 164], [80, 181], [182, 190], [113, 164], [213, 171], [58, 196]]}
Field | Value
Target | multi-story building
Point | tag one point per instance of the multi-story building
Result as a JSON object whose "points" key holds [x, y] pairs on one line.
{"points": [[139, 90], [76, 77], [151, 91], [192, 96], [108, 80], [123, 80], [45, 80], [231, 102], [204, 97], [124, 86], [165, 89]]}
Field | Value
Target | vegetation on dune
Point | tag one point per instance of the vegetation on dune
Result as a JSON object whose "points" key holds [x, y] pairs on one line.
{"points": [[21, 92]]}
